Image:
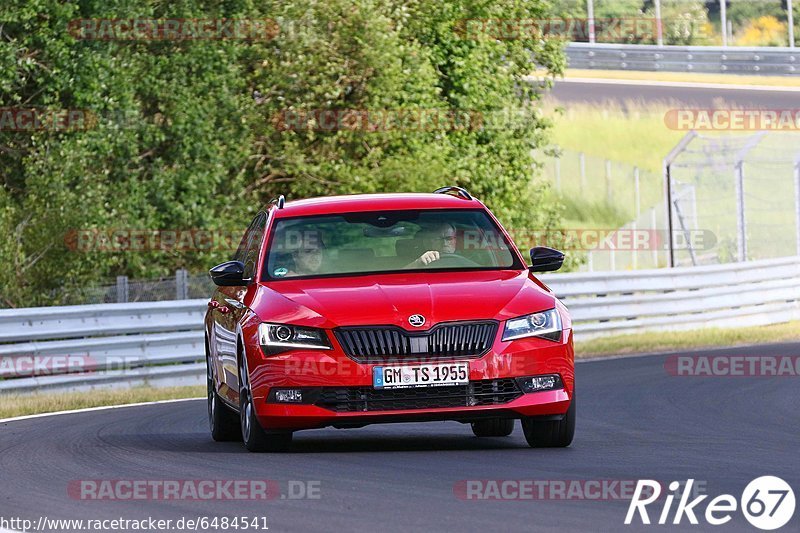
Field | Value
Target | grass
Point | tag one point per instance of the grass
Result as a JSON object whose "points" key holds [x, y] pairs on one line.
{"points": [[29, 404], [687, 340], [633, 133], [728, 79]]}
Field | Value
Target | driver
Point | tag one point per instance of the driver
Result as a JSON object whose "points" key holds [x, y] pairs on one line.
{"points": [[308, 255], [438, 239]]}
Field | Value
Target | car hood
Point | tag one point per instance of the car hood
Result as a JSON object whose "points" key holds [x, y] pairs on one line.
{"points": [[390, 299]]}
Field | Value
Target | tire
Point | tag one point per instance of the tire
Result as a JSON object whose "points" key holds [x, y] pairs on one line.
{"points": [[551, 433], [222, 421], [493, 427], [253, 435]]}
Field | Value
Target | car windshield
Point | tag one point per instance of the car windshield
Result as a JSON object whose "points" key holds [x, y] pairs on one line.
{"points": [[387, 241]]}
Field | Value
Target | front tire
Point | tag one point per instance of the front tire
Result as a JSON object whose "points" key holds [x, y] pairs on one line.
{"points": [[551, 433], [493, 427], [254, 437]]}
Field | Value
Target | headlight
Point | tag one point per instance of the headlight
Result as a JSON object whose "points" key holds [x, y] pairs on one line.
{"points": [[546, 324], [277, 338]]}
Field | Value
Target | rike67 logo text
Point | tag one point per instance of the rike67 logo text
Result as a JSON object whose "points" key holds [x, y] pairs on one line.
{"points": [[767, 502]]}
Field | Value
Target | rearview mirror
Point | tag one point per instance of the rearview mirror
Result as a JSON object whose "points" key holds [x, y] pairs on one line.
{"points": [[228, 274], [544, 259]]}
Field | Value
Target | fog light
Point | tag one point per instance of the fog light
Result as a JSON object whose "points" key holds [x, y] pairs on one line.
{"points": [[289, 396], [539, 383]]}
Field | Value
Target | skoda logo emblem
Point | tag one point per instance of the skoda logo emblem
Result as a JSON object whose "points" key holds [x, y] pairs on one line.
{"points": [[416, 320]]}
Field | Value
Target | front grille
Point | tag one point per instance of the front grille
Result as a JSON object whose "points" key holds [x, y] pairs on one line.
{"points": [[359, 399], [379, 344]]}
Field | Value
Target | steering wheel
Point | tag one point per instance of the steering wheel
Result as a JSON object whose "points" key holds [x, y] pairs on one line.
{"points": [[452, 260]]}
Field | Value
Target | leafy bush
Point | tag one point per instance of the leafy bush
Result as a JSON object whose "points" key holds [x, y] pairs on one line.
{"points": [[763, 31], [181, 143]]}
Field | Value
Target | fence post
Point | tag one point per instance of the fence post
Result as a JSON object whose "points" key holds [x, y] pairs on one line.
{"points": [[558, 174], [652, 240], [797, 201], [181, 285], [741, 223], [122, 289], [637, 201]]}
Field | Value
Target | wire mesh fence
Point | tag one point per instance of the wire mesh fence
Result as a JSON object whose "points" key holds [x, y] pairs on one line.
{"points": [[622, 204], [181, 286], [732, 197], [746, 196]]}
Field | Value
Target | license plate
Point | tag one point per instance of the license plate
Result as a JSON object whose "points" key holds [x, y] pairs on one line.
{"points": [[393, 377]]}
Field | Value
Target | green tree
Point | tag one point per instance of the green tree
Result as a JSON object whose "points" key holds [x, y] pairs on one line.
{"points": [[180, 142]]}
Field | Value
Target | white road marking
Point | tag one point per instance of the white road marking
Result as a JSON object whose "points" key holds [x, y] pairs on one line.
{"points": [[90, 409]]}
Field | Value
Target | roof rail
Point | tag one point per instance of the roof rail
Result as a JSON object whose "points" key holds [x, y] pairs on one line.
{"points": [[460, 191], [279, 201]]}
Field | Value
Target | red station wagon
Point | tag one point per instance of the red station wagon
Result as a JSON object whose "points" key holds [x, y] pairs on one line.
{"points": [[354, 310]]}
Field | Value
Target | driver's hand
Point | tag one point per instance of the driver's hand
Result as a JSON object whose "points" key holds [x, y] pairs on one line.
{"points": [[428, 257]]}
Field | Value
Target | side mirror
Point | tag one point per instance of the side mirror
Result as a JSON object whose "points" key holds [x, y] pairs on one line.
{"points": [[228, 274], [544, 259]]}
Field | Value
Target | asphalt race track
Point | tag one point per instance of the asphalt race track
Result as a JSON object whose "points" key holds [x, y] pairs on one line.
{"points": [[634, 421], [704, 97]]}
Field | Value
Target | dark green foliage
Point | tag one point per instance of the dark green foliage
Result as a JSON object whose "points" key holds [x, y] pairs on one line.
{"points": [[180, 142]]}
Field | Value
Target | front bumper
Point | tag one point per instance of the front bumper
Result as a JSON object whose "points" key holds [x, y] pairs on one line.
{"points": [[321, 374]]}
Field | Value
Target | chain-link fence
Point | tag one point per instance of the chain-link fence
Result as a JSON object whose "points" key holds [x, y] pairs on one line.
{"points": [[181, 286], [744, 195], [614, 202]]}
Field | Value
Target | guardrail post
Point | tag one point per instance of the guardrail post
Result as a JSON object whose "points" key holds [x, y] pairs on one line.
{"points": [[181, 284], [122, 289]]}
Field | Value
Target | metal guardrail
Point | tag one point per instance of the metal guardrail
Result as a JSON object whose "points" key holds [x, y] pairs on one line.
{"points": [[161, 343], [731, 295], [710, 59], [129, 344]]}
